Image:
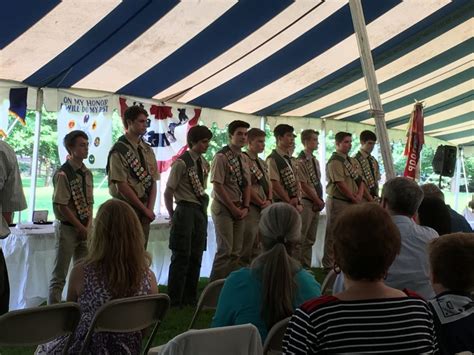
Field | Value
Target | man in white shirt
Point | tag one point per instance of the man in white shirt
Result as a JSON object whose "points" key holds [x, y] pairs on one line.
{"points": [[12, 199], [402, 197]]}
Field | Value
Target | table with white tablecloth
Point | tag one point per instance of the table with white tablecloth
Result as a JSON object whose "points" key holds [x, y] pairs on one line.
{"points": [[30, 251]]}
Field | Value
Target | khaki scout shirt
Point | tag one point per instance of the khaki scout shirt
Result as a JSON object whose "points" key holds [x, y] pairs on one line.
{"points": [[12, 197], [62, 191], [303, 173], [119, 170], [221, 173], [335, 172], [275, 174], [178, 179], [255, 185]]}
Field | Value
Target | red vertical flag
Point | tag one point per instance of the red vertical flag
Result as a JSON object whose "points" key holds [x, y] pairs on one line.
{"points": [[415, 140]]}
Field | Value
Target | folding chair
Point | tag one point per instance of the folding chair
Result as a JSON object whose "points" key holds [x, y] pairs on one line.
{"points": [[241, 339], [328, 282], [39, 325], [209, 298], [273, 343], [129, 314]]}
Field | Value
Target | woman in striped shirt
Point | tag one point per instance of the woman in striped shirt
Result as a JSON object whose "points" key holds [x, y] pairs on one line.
{"points": [[368, 317]]}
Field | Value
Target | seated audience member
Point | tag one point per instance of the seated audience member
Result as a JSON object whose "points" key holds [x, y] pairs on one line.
{"points": [[452, 274], [435, 214], [275, 283], [117, 266], [368, 316], [458, 222], [401, 197]]}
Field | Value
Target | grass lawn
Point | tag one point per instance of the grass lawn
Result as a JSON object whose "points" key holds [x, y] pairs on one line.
{"points": [[175, 322]]}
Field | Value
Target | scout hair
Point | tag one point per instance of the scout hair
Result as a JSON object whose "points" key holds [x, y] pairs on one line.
{"points": [[255, 133], [367, 136], [282, 129], [70, 139], [341, 135], [132, 113], [279, 230], [197, 133], [116, 247], [307, 133], [234, 125]]}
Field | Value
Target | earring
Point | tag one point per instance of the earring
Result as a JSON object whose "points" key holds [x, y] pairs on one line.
{"points": [[336, 268]]}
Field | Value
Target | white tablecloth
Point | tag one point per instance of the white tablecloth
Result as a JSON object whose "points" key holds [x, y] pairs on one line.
{"points": [[29, 255], [30, 251]]}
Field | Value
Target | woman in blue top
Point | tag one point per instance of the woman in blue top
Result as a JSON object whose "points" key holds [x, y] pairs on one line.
{"points": [[275, 284]]}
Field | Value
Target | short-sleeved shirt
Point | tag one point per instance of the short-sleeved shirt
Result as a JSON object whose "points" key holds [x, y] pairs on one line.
{"points": [[62, 194], [304, 176], [12, 197], [252, 164], [275, 173], [221, 173], [376, 169], [178, 179], [119, 170], [336, 172]]}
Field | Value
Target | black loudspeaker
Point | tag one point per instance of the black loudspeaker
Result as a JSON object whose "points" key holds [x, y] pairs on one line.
{"points": [[444, 160]]}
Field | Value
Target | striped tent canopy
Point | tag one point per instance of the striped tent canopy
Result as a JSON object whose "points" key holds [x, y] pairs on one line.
{"points": [[267, 57]]}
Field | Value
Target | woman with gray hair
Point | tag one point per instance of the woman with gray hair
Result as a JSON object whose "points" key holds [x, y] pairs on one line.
{"points": [[275, 284]]}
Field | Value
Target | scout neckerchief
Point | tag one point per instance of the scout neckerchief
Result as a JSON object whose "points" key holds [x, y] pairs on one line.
{"points": [[77, 184], [369, 167], [287, 175], [138, 168], [348, 166], [256, 170], [310, 165], [235, 165]]}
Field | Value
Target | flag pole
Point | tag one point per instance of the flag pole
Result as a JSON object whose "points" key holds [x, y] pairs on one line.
{"points": [[34, 162], [372, 87]]}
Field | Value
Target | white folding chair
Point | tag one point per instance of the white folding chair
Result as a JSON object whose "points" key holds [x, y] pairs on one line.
{"points": [[39, 325], [328, 282], [129, 314], [273, 343], [234, 340], [208, 299]]}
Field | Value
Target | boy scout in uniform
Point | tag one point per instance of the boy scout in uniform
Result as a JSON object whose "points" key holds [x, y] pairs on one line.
{"points": [[187, 183], [312, 192], [132, 168], [72, 206], [12, 199], [368, 165], [283, 169], [260, 193], [345, 187], [231, 196]]}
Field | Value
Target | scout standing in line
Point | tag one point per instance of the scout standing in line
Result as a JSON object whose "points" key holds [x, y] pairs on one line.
{"points": [[72, 205], [368, 165], [132, 168], [283, 169], [345, 187], [187, 182], [310, 179], [231, 197], [260, 193]]}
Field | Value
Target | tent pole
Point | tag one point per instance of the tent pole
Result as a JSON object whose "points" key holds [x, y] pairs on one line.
{"points": [[457, 180], [34, 162], [371, 83], [322, 155]]}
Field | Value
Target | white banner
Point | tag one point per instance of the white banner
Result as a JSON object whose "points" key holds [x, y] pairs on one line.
{"points": [[91, 115]]}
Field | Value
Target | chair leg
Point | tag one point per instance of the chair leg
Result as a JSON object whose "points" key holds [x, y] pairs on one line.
{"points": [[151, 337], [195, 315]]}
